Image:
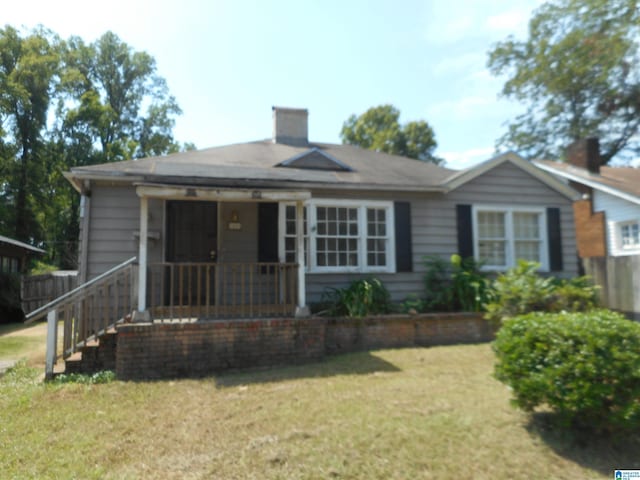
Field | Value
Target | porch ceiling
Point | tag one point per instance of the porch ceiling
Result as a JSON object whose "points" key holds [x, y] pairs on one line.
{"points": [[178, 192]]}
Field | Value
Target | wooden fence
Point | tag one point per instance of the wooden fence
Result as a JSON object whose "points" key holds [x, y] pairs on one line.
{"points": [[38, 290], [619, 282]]}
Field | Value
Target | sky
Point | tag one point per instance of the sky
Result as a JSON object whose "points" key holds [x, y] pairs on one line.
{"points": [[227, 62]]}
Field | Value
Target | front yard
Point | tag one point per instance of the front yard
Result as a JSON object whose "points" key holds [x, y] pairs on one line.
{"points": [[406, 413]]}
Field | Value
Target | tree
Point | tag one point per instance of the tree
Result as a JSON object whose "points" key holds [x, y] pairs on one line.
{"points": [[115, 100], [28, 66], [379, 129], [578, 73]]}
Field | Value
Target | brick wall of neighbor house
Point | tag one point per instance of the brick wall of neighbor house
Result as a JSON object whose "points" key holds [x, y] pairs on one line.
{"points": [[590, 230], [146, 351]]}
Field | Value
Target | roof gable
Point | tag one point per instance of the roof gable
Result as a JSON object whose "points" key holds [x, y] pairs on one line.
{"points": [[315, 159], [465, 176]]}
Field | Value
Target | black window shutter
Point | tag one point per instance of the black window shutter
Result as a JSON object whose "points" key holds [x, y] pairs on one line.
{"points": [[267, 232], [465, 230], [555, 239], [404, 254]]}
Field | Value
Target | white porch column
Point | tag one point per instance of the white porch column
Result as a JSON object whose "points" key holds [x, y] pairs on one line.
{"points": [[301, 310], [142, 257]]}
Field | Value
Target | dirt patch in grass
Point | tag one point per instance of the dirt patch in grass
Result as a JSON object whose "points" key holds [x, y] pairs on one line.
{"points": [[393, 414]]}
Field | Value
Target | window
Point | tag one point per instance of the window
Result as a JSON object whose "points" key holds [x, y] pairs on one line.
{"points": [[341, 236], [505, 235], [630, 235], [290, 238]]}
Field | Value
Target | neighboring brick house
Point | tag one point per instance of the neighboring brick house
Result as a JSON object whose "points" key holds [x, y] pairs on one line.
{"points": [[608, 216]]}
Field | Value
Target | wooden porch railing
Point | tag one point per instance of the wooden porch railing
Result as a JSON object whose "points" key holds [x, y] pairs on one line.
{"points": [[215, 290], [87, 311]]}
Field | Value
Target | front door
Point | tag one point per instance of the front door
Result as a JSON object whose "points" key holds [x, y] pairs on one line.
{"points": [[192, 237]]}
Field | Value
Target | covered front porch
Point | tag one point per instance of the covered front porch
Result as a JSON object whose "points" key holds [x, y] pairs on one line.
{"points": [[218, 254]]}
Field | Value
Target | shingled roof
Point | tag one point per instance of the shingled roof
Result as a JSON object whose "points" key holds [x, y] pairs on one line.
{"points": [[620, 181], [267, 163]]}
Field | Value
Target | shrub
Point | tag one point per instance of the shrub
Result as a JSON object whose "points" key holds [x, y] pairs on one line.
{"points": [[584, 366], [361, 298], [522, 290], [457, 285]]}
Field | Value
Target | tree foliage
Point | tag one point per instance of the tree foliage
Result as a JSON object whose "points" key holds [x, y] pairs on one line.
{"points": [[379, 129], [65, 104], [578, 74]]}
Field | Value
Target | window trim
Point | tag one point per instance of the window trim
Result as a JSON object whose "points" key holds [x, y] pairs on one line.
{"points": [[509, 234], [310, 239], [621, 246]]}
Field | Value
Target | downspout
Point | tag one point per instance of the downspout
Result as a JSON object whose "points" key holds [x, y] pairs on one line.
{"points": [[85, 214]]}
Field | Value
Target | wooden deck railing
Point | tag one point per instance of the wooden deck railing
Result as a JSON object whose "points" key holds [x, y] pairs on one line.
{"points": [[87, 311], [215, 290]]}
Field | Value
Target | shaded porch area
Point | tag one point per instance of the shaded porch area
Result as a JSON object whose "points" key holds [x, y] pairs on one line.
{"points": [[219, 255]]}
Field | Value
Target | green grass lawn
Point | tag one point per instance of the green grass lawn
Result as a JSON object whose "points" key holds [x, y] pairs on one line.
{"points": [[392, 414], [19, 341]]}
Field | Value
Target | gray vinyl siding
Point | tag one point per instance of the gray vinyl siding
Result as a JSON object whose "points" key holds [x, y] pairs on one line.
{"points": [[115, 217], [113, 223], [434, 230]]}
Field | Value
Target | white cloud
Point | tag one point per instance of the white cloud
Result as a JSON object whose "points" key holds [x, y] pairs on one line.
{"points": [[467, 158], [460, 63], [509, 21], [461, 108], [455, 21]]}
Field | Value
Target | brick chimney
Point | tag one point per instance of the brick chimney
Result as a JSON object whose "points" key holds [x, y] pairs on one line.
{"points": [[290, 126], [585, 153]]}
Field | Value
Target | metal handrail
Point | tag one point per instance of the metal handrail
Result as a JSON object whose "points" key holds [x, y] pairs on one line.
{"points": [[42, 311]]}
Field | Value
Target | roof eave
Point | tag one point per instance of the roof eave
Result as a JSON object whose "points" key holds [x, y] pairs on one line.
{"points": [[589, 183]]}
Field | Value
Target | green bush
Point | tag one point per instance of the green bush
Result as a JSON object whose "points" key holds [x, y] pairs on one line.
{"points": [[457, 285], [361, 298], [584, 366], [523, 290]]}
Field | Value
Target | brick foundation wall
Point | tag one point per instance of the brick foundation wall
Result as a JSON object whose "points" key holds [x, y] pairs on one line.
{"points": [[155, 351]]}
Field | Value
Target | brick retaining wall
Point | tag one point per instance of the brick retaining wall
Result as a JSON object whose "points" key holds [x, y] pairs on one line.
{"points": [[154, 351]]}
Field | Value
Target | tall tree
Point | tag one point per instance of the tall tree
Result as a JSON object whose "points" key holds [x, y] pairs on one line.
{"points": [[115, 101], [28, 66], [578, 74], [379, 129]]}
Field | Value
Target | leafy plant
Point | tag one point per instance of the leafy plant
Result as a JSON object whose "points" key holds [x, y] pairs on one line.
{"points": [[584, 366], [105, 376], [412, 304], [457, 285], [362, 297], [523, 290]]}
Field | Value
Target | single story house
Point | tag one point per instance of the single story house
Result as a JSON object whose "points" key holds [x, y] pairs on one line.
{"points": [[14, 255], [250, 235], [264, 227], [608, 215], [607, 222]]}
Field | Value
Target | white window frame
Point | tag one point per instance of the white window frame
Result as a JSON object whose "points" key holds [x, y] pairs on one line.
{"points": [[621, 245], [310, 239], [510, 257]]}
